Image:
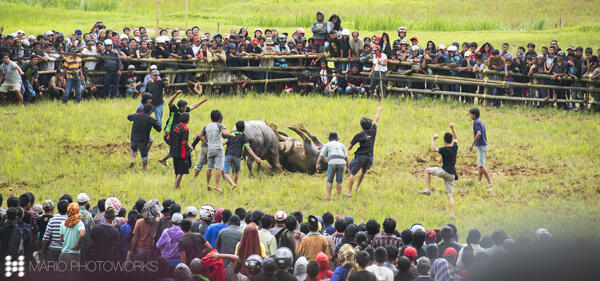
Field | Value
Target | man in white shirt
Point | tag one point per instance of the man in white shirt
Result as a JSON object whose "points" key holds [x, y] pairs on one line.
{"points": [[382, 273], [89, 50], [377, 74], [337, 160]]}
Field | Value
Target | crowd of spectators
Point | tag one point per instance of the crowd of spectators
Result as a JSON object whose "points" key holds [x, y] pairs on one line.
{"points": [[212, 244], [352, 71]]}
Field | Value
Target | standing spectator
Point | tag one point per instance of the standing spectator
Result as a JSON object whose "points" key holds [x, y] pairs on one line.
{"points": [[479, 140], [11, 78], [379, 80], [362, 274], [356, 45], [52, 242], [229, 237], [473, 239], [496, 63], [382, 273], [168, 241], [73, 72], [337, 161], [142, 241], [249, 245], [72, 231], [266, 237], [363, 157], [319, 30], [112, 65], [11, 235], [347, 262], [192, 245], [387, 237], [448, 240], [42, 220], [213, 230], [156, 87], [90, 51], [365, 55], [104, 238], [314, 242]]}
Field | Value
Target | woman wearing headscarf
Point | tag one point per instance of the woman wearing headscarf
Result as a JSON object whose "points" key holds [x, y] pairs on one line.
{"points": [[347, 263], [72, 231], [142, 243], [335, 23], [384, 43], [248, 245]]}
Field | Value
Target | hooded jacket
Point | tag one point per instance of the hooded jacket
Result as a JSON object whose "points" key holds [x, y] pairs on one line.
{"points": [[319, 28], [324, 272]]}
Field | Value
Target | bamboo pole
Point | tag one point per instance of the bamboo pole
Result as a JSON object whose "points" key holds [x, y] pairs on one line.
{"points": [[220, 83]]}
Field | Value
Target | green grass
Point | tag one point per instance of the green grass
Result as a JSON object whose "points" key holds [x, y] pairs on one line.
{"points": [[543, 162]]}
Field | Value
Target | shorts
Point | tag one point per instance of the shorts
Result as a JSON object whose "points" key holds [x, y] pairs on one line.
{"points": [[360, 162], [336, 170], [448, 178], [10, 87], [215, 159], [181, 166], [202, 159], [481, 151], [234, 162], [142, 147]]}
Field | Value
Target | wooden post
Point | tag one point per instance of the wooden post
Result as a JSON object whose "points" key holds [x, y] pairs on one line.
{"points": [[157, 8]]}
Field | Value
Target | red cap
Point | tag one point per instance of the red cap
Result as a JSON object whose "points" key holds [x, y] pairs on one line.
{"points": [[378, 38], [254, 41], [411, 253], [376, 47], [196, 38], [450, 252], [414, 38], [430, 235]]}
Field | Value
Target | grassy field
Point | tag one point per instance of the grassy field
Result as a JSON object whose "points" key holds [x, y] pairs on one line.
{"points": [[543, 162], [572, 23]]}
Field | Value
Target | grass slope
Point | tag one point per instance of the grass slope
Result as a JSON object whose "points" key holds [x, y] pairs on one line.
{"points": [[544, 163]]}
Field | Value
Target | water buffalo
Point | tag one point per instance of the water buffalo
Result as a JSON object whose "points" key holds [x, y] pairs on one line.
{"points": [[296, 156], [264, 142]]}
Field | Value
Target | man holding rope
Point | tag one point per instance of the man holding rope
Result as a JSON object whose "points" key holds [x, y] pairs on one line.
{"points": [[380, 61]]}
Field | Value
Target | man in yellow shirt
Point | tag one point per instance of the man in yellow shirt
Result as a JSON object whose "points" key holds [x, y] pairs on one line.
{"points": [[73, 72], [314, 242]]}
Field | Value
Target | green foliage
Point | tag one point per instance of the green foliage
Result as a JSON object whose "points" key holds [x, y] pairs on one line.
{"points": [[540, 162], [86, 5]]}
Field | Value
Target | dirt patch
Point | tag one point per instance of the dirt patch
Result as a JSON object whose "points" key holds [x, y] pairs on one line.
{"points": [[105, 149], [5, 185], [467, 167]]}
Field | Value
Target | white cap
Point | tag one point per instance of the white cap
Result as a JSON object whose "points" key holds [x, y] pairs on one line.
{"points": [[177, 218], [345, 31], [31, 37], [113, 202], [467, 54], [191, 211], [123, 36], [20, 31], [131, 66], [108, 42], [49, 32], [153, 67], [442, 46], [452, 48], [82, 198]]}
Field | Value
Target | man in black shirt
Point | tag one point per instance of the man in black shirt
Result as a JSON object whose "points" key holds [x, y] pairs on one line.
{"points": [[105, 238], [363, 157], [447, 171], [140, 132], [236, 148], [180, 148], [192, 245], [362, 259], [156, 88]]}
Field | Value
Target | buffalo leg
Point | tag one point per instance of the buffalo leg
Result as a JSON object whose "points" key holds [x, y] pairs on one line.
{"points": [[314, 138]]}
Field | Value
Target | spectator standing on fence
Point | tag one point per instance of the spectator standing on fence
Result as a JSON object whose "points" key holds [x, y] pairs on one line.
{"points": [[496, 63], [11, 78], [480, 141], [112, 65], [549, 62], [356, 46], [319, 30]]}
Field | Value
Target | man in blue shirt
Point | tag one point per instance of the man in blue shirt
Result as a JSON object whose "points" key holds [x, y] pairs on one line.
{"points": [[479, 140]]}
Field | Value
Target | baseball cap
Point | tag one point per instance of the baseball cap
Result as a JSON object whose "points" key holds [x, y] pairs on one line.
{"points": [[155, 72], [414, 38], [48, 205], [49, 33], [191, 211], [177, 218], [313, 221], [254, 41], [113, 202], [411, 253], [280, 216], [442, 47], [131, 66], [300, 268], [82, 198], [196, 38], [571, 48], [430, 235], [468, 54], [376, 47], [37, 208], [108, 42], [452, 48], [450, 252], [78, 31], [203, 37], [300, 30], [153, 67]]}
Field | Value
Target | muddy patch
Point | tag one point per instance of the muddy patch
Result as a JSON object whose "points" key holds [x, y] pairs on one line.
{"points": [[104, 149]]}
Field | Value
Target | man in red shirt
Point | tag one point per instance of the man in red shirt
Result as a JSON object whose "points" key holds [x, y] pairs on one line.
{"points": [[180, 148]]}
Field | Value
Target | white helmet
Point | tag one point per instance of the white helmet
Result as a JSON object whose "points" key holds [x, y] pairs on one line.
{"points": [[452, 48], [113, 202], [207, 212], [107, 42], [346, 32]]}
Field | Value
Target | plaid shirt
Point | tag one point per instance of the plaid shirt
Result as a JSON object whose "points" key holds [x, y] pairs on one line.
{"points": [[337, 239], [386, 239]]}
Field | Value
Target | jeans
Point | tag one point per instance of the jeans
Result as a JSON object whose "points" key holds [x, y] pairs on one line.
{"points": [[336, 170], [232, 163], [358, 90], [577, 94], [158, 111], [72, 84], [111, 84], [481, 151]]}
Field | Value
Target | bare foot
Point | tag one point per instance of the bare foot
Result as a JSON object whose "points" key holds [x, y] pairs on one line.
{"points": [[218, 188], [208, 187], [357, 189], [490, 184], [131, 165], [164, 162], [233, 186], [348, 195]]}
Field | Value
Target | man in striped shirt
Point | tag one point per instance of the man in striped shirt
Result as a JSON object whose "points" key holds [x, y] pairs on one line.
{"points": [[388, 237], [73, 70], [52, 235]]}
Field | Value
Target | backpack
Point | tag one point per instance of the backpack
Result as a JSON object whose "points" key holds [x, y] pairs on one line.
{"points": [[213, 269]]}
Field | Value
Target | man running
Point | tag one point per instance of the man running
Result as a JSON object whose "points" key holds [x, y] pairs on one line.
{"points": [[363, 157], [479, 140], [448, 170]]}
